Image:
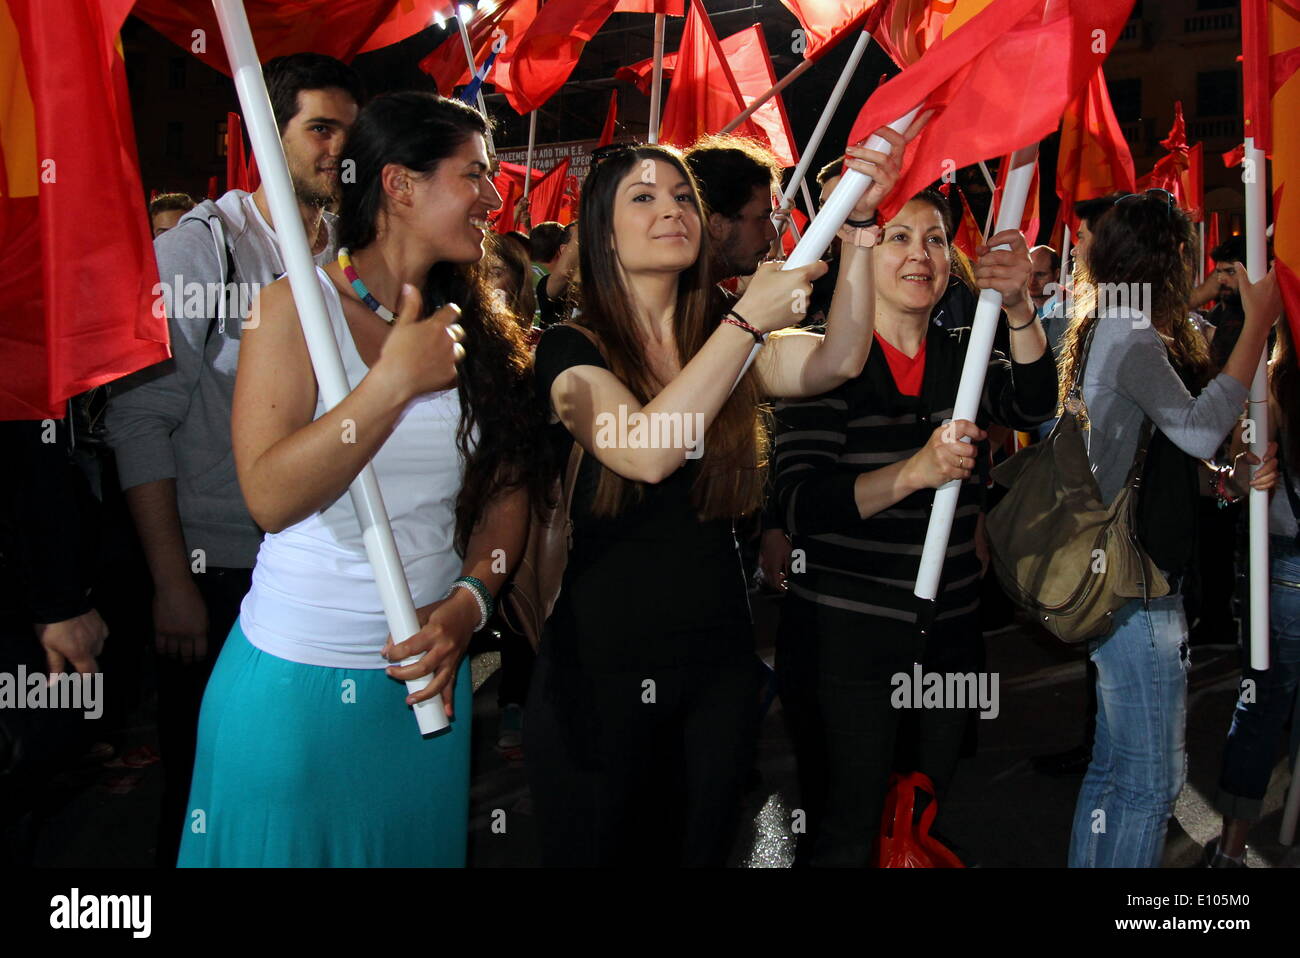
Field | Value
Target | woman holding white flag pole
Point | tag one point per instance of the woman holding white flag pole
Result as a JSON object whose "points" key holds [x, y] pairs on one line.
{"points": [[642, 709], [855, 474], [306, 755]]}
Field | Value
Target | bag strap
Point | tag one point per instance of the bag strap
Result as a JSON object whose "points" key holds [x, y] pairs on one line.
{"points": [[1083, 359]]}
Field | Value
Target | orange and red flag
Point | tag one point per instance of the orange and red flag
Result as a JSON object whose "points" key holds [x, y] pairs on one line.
{"points": [[76, 298]]}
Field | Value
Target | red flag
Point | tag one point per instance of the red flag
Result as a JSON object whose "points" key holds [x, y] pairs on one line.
{"points": [[826, 22], [407, 18], [569, 200], [998, 82], [339, 28], [1094, 157], [611, 118], [1170, 170], [703, 97], [968, 237], [546, 195], [1234, 156], [212, 188], [77, 296], [549, 50], [908, 28], [747, 57], [447, 64], [509, 181]]}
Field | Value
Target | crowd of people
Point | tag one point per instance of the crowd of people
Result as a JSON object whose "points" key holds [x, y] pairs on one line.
{"points": [[480, 362]]}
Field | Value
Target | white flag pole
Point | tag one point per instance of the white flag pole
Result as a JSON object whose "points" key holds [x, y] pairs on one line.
{"points": [[1065, 259], [807, 198], [657, 78], [473, 70], [528, 163], [819, 131], [1256, 267], [381, 549], [772, 91], [973, 372], [838, 206]]}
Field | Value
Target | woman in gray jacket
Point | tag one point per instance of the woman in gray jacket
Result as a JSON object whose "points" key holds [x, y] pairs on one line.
{"points": [[1147, 362]]}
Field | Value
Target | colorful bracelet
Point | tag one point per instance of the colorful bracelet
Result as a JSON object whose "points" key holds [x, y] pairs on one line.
{"points": [[482, 597], [735, 319]]}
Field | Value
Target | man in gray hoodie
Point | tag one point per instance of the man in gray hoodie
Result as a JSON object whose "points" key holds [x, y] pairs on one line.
{"points": [[169, 425]]}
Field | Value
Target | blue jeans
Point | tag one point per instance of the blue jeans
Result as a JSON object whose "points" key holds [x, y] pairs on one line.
{"points": [[1256, 732], [1139, 757]]}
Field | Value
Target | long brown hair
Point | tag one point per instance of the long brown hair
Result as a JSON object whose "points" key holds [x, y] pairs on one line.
{"points": [[735, 446], [1148, 242], [501, 429], [1284, 382]]}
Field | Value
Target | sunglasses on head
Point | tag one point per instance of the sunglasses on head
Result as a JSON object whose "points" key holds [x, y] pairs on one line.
{"points": [[1129, 199]]}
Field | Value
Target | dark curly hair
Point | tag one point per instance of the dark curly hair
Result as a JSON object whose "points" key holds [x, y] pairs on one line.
{"points": [[502, 431], [1143, 241]]}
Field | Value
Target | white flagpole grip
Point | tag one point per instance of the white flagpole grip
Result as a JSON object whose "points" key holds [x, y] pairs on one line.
{"points": [[528, 163], [295, 251], [973, 371], [657, 78], [1256, 267]]}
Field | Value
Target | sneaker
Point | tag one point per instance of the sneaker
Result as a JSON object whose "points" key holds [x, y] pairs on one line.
{"points": [[510, 733], [1213, 858]]}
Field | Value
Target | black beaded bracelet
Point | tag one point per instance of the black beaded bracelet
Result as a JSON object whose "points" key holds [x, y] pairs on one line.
{"points": [[1016, 329], [861, 224]]}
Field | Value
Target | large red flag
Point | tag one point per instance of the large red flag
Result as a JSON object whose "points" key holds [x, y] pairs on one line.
{"points": [[77, 294], [703, 97], [998, 82], [550, 49], [747, 57], [509, 181], [447, 64], [1094, 157], [826, 22], [1193, 183], [339, 28]]}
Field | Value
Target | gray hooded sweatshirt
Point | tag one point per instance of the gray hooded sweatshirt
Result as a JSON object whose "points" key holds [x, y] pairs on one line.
{"points": [[172, 420]]}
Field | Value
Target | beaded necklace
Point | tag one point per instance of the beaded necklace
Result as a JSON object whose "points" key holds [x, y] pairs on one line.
{"points": [[350, 271]]}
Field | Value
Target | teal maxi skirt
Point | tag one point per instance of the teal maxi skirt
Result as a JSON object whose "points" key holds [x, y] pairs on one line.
{"points": [[307, 766]]}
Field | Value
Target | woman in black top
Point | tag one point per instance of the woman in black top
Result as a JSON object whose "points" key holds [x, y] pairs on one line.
{"points": [[642, 714], [856, 471]]}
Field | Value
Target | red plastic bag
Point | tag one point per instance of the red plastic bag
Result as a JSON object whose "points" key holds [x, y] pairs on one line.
{"points": [[903, 844]]}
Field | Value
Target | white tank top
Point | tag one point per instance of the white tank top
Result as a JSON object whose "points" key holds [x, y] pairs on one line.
{"points": [[314, 598]]}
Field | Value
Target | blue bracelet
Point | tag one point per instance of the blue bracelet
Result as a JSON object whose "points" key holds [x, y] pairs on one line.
{"points": [[482, 597]]}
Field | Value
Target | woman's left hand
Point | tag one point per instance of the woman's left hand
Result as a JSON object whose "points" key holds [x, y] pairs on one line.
{"points": [[1265, 478], [445, 630], [1005, 270]]}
